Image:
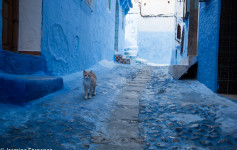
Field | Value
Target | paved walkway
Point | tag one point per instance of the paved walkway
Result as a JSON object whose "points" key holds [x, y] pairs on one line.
{"points": [[184, 114], [122, 126], [136, 107]]}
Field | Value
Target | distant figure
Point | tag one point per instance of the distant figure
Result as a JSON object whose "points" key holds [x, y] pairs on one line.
{"points": [[89, 82]]}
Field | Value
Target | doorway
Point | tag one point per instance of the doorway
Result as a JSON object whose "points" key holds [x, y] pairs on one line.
{"points": [[22, 23], [116, 27], [10, 28], [227, 57]]}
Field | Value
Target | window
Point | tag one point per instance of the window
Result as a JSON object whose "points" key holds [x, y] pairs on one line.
{"points": [[178, 32], [182, 43], [10, 25], [109, 4]]}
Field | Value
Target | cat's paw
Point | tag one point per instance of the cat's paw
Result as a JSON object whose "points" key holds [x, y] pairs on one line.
{"points": [[90, 96], [93, 94], [86, 97]]}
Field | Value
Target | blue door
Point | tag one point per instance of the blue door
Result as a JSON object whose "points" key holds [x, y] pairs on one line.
{"points": [[116, 27]]}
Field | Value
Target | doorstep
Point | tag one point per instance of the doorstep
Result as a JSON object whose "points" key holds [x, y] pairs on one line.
{"points": [[20, 89]]}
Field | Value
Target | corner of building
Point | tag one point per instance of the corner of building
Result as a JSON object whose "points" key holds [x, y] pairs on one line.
{"points": [[208, 43]]}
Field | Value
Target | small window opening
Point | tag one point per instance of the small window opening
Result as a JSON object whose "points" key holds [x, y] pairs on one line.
{"points": [[178, 32]]}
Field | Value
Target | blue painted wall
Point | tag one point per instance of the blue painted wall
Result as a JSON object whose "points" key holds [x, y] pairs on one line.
{"points": [[185, 43], [208, 43], [156, 39], [14, 63], [156, 47], [75, 37], [177, 56]]}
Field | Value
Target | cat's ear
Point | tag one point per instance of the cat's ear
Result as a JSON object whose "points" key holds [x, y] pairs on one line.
{"points": [[84, 71], [91, 71]]}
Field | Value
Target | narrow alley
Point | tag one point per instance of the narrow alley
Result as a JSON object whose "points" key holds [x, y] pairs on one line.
{"points": [[136, 107], [118, 75]]}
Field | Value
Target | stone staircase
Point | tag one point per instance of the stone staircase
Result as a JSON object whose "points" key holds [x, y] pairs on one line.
{"points": [[131, 53], [20, 89]]}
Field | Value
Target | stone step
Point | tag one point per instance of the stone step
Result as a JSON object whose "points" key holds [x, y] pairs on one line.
{"points": [[130, 53], [122, 127], [139, 61], [178, 70], [20, 89]]}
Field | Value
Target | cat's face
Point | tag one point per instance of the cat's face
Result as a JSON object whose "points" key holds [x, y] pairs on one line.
{"points": [[87, 75]]}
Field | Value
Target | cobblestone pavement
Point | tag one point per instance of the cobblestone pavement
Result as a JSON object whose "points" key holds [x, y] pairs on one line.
{"points": [[63, 120], [177, 115], [171, 114]]}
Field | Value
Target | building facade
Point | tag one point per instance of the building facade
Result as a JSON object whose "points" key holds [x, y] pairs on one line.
{"points": [[217, 66], [209, 26], [209, 35], [59, 36], [50, 38], [181, 32], [156, 31]]}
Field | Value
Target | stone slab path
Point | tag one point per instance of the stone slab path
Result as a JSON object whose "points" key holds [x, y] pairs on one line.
{"points": [[122, 127]]}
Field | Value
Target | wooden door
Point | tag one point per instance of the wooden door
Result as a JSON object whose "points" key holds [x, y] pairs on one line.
{"points": [[10, 13], [227, 54]]}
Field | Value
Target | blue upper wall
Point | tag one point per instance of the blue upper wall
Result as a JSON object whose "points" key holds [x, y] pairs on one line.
{"points": [[153, 47], [75, 36], [208, 43]]}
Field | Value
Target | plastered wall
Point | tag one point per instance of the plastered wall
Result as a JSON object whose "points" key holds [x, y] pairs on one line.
{"points": [[208, 43], [156, 39], [75, 37]]}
